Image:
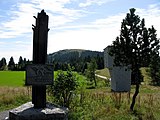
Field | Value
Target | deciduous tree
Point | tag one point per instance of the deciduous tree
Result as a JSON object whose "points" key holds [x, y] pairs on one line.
{"points": [[64, 85]]}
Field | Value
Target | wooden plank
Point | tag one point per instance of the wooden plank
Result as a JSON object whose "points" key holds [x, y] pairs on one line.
{"points": [[40, 35]]}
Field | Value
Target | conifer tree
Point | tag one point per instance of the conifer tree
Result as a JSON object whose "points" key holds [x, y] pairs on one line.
{"points": [[3, 64], [11, 64], [135, 46]]}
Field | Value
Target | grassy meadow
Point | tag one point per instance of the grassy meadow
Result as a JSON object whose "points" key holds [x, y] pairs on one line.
{"points": [[12, 90], [12, 78], [88, 104]]}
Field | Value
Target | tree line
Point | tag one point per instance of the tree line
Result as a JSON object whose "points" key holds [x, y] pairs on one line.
{"points": [[79, 64], [20, 66]]}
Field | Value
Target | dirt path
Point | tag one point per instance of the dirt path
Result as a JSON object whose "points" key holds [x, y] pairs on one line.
{"points": [[103, 77]]}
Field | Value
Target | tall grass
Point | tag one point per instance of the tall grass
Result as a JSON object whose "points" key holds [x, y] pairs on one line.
{"points": [[104, 105], [11, 97], [95, 104]]}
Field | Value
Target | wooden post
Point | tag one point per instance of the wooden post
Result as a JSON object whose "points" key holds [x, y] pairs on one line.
{"points": [[40, 36]]}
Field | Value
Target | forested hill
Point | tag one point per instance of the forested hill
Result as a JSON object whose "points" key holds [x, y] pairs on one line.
{"points": [[71, 55]]}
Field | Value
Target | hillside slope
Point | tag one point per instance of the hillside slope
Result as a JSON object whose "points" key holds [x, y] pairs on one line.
{"points": [[69, 55]]}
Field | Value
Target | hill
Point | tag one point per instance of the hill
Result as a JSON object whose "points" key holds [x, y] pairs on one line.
{"points": [[70, 55]]}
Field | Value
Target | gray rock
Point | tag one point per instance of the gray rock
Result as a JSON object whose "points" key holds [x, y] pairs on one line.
{"points": [[28, 112], [4, 115]]}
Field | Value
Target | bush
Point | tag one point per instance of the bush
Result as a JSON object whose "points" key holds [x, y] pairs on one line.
{"points": [[64, 85]]}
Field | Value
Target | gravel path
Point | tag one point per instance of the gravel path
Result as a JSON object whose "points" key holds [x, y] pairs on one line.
{"points": [[4, 115]]}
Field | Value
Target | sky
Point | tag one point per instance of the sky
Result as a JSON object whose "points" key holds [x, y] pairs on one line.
{"points": [[73, 24]]}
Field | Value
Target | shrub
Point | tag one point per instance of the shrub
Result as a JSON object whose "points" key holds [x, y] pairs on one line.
{"points": [[64, 85]]}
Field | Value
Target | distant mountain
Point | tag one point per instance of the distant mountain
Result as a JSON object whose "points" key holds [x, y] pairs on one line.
{"points": [[69, 55]]}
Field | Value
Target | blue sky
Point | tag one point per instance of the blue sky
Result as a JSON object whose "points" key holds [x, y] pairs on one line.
{"points": [[74, 24]]}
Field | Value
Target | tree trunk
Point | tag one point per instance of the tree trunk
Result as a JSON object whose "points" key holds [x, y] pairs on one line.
{"points": [[95, 82], [134, 96]]}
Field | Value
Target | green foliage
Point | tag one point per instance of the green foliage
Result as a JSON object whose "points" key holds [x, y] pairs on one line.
{"points": [[100, 104], [136, 44], [81, 81], [76, 58], [3, 64], [97, 104], [21, 64], [11, 64], [146, 75], [154, 71], [90, 72], [64, 85], [71, 55], [103, 72], [93, 104]]}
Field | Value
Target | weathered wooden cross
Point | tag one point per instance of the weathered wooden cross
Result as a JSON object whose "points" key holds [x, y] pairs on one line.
{"points": [[39, 74]]}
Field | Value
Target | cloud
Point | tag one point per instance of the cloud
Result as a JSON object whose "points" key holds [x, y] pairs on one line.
{"points": [[18, 25], [151, 16], [91, 2], [64, 33], [19, 22], [100, 33], [58, 13], [1, 43], [21, 19], [16, 49], [90, 39], [93, 36]]}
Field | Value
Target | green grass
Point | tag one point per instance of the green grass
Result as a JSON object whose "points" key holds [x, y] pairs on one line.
{"points": [[17, 78], [88, 104], [103, 72], [101, 104], [146, 78], [12, 78], [12, 90]]}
